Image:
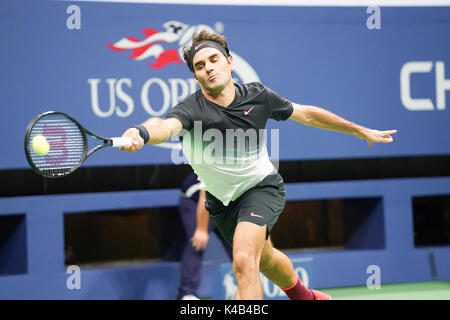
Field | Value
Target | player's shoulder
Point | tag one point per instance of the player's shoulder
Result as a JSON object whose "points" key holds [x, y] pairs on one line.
{"points": [[255, 86], [251, 89]]}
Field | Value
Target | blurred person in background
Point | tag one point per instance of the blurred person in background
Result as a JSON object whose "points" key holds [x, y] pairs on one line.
{"points": [[197, 226]]}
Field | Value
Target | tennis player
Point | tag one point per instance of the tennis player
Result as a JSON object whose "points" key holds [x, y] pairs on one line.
{"points": [[244, 192]]}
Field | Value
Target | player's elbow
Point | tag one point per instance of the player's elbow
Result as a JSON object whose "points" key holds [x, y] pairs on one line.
{"points": [[303, 114]]}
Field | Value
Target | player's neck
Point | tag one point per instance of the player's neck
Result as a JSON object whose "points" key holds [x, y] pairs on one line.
{"points": [[223, 97]]}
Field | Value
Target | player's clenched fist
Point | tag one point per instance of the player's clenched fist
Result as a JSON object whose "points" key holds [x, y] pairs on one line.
{"points": [[136, 141]]}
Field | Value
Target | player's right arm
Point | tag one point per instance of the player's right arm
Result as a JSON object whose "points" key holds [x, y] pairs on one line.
{"points": [[160, 130]]}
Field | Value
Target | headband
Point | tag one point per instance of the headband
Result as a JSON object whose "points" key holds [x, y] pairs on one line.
{"points": [[202, 45]]}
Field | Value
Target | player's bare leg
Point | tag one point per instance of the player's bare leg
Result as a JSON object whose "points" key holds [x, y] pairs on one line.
{"points": [[277, 267], [248, 242]]}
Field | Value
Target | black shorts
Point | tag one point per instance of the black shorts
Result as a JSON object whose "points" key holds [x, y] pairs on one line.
{"points": [[261, 205]]}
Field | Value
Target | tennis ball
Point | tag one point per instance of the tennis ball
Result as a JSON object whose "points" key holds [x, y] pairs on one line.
{"points": [[40, 145]]}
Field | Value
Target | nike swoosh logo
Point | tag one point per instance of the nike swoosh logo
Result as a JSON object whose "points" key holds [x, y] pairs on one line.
{"points": [[246, 112], [198, 46], [256, 215]]}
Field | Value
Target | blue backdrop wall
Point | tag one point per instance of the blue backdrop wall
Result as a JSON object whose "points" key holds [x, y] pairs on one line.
{"points": [[123, 65]]}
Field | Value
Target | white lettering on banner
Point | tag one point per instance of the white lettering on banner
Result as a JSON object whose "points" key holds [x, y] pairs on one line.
{"points": [[442, 85], [425, 104], [115, 89], [188, 87], [172, 92], [373, 281], [405, 85], [146, 101], [373, 21], [276, 291], [94, 97], [74, 280], [270, 293], [73, 22], [269, 289], [124, 97]]}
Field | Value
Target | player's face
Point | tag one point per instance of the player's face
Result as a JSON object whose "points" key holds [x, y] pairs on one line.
{"points": [[212, 69]]}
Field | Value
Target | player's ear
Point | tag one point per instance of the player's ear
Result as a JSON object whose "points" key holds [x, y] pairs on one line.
{"points": [[231, 63]]}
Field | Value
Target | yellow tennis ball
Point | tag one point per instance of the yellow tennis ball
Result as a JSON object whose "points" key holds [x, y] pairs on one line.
{"points": [[40, 145]]}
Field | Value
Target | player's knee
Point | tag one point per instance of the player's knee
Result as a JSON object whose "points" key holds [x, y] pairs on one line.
{"points": [[244, 262]]}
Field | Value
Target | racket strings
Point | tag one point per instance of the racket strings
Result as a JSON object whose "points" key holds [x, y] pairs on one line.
{"points": [[66, 145]]}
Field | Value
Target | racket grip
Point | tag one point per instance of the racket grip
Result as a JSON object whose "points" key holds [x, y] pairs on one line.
{"points": [[121, 141]]}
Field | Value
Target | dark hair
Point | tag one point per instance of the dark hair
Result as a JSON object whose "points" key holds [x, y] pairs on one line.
{"points": [[202, 36]]}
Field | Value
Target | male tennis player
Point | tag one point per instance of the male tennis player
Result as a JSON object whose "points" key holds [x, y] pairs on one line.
{"points": [[244, 192]]}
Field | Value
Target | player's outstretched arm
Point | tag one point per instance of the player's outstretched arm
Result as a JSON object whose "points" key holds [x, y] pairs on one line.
{"points": [[321, 118], [160, 130]]}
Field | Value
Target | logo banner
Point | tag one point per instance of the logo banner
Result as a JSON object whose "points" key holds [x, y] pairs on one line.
{"points": [[112, 65]]}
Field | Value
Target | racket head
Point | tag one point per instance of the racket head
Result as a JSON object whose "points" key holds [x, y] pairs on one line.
{"points": [[67, 141]]}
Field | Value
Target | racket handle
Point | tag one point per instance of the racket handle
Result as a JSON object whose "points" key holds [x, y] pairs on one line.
{"points": [[121, 141]]}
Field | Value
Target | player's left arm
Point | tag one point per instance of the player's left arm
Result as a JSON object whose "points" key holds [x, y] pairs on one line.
{"points": [[323, 119]]}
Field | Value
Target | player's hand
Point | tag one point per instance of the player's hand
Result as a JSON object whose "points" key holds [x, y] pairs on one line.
{"points": [[376, 136], [136, 141], [200, 240]]}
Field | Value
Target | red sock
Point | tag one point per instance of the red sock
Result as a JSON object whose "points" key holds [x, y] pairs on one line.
{"points": [[298, 291]]}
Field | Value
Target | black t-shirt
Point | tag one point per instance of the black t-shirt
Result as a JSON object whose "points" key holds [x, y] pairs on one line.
{"points": [[226, 146], [253, 105]]}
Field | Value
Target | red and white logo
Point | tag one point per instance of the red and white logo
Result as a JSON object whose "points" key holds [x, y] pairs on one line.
{"points": [[157, 46], [112, 96]]}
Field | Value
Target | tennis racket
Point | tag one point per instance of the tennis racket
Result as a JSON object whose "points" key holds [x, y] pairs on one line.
{"points": [[64, 143]]}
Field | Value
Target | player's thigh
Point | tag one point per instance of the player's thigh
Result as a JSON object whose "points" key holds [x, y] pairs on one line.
{"points": [[248, 242]]}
